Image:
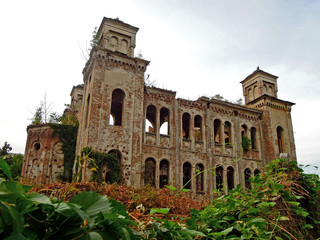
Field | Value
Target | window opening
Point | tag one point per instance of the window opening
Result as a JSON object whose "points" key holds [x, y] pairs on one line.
{"points": [[219, 178], [164, 173], [256, 172], [217, 127], [164, 121], [150, 172], [230, 178], [187, 175], [186, 125], [151, 119], [247, 176], [36, 146], [199, 178], [280, 139], [227, 132], [117, 106], [198, 128], [87, 111], [253, 138]]}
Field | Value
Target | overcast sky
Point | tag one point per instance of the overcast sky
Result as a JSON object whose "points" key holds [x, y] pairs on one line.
{"points": [[196, 48]]}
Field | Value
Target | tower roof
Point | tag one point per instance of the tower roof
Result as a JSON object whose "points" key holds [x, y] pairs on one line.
{"points": [[256, 72]]}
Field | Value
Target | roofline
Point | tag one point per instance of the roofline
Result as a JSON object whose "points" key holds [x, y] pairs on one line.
{"points": [[257, 71], [115, 21], [265, 96]]}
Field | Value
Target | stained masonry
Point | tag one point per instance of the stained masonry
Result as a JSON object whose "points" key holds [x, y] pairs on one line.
{"points": [[162, 139]]}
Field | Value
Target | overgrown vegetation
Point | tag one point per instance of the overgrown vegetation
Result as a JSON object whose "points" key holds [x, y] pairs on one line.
{"points": [[68, 137], [103, 162], [282, 204], [245, 143], [14, 160]]}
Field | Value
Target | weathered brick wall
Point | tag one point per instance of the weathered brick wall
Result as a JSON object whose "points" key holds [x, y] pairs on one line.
{"points": [[43, 160]]}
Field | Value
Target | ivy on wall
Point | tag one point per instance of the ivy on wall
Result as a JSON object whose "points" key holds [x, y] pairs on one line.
{"points": [[68, 137], [102, 161]]}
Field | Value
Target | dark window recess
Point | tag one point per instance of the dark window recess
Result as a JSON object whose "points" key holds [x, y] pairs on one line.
{"points": [[164, 121], [219, 178], [199, 178], [164, 173], [230, 178], [217, 127], [186, 126], [198, 128], [117, 106], [247, 176], [151, 119], [187, 175], [150, 172]]}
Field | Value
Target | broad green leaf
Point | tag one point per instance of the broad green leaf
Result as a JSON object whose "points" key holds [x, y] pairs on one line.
{"points": [[40, 198], [185, 190], [294, 203], [92, 203], [5, 168], [171, 188], [283, 218], [16, 216], [159, 210], [194, 233], [227, 231], [95, 236]]}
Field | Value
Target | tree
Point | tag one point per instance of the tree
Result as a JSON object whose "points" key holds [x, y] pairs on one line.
{"points": [[218, 97], [5, 149]]}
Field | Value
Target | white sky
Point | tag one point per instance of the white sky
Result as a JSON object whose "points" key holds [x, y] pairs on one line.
{"points": [[196, 48]]}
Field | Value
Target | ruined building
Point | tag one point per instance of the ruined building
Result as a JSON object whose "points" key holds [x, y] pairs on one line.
{"points": [[162, 139]]}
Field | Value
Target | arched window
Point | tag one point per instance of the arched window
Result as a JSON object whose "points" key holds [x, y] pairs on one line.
{"points": [[114, 43], [124, 46], [230, 178], [164, 173], [164, 121], [198, 128], [86, 115], [186, 125], [227, 133], [199, 178], [270, 90], [253, 133], [250, 95], [186, 175], [150, 172], [217, 130], [107, 175], [219, 178], [117, 106], [151, 119], [256, 172], [244, 130], [247, 176], [280, 139], [255, 92]]}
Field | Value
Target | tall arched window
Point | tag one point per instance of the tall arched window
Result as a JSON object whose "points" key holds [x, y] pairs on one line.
{"points": [[200, 178], [256, 172], [253, 133], [186, 125], [150, 172], [86, 115], [164, 173], [219, 178], [217, 130], [198, 128], [280, 139], [247, 176], [117, 106], [230, 178], [227, 133], [164, 121], [105, 171], [186, 175], [151, 119]]}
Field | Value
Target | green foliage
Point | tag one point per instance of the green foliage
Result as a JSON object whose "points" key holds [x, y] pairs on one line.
{"points": [[37, 116], [246, 143], [14, 161], [68, 137], [36, 216], [101, 161]]}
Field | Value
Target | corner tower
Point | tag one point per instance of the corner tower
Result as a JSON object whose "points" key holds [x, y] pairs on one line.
{"points": [[113, 97], [260, 91]]}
